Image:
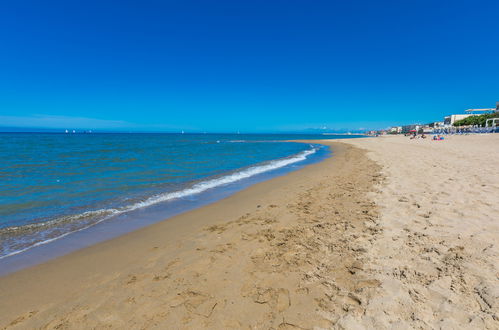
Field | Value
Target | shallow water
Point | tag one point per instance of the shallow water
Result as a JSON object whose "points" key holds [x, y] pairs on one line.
{"points": [[52, 185]]}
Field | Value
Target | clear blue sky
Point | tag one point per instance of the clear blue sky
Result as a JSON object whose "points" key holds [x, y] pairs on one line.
{"points": [[244, 65]]}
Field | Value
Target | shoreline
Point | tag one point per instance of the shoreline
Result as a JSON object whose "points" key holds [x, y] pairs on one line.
{"points": [[229, 236], [129, 221], [388, 233]]}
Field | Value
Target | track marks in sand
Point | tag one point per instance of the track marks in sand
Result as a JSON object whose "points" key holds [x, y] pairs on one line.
{"points": [[298, 264], [297, 261], [319, 253], [22, 318], [437, 254]]}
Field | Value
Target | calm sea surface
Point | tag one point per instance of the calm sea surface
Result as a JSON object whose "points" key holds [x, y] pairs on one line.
{"points": [[54, 184]]}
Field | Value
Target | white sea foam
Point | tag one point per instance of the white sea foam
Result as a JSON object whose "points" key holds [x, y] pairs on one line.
{"points": [[164, 197], [237, 176]]}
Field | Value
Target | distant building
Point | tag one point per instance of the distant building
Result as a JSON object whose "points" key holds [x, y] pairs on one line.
{"points": [[484, 110], [395, 130], [427, 129], [410, 128], [450, 120], [436, 124]]}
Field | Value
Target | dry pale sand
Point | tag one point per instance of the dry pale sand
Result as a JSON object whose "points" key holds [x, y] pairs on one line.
{"points": [[389, 233], [438, 256]]}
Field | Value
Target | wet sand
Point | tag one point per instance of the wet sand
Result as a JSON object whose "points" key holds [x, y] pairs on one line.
{"points": [[387, 233]]}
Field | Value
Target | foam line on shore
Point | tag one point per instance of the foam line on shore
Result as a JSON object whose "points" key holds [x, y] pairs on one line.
{"points": [[105, 214]]}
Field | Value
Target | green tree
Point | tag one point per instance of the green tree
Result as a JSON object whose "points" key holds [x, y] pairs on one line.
{"points": [[476, 120]]}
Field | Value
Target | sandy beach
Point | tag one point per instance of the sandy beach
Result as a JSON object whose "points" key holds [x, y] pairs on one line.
{"points": [[387, 233], [438, 256]]}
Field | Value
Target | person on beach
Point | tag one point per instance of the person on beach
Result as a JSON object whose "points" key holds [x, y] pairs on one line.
{"points": [[437, 138]]}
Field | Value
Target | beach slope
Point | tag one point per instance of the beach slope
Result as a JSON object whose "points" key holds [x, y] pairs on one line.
{"points": [[284, 253], [387, 233]]}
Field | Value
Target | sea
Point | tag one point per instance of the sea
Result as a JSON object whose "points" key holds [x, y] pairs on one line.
{"points": [[54, 186]]}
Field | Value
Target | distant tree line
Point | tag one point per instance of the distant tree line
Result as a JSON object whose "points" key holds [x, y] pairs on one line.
{"points": [[475, 120]]}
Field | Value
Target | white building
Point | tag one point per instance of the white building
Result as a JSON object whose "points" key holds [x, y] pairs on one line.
{"points": [[411, 128], [450, 120], [395, 129]]}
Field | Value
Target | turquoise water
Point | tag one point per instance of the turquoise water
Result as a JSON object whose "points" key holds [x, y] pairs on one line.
{"points": [[55, 184]]}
